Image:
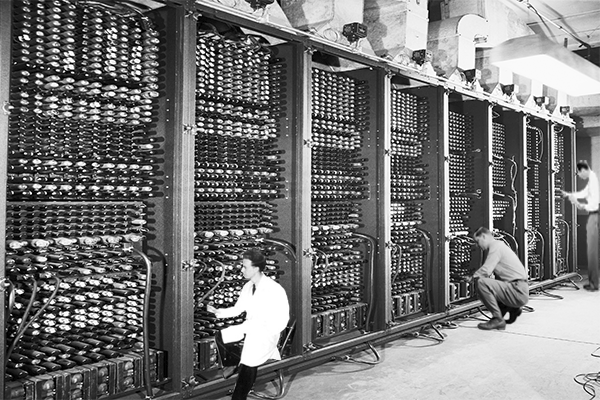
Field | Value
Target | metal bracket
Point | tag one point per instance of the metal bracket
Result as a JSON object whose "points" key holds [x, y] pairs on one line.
{"points": [[189, 129], [188, 264], [6, 107], [387, 152], [187, 386], [193, 14], [308, 347], [309, 143], [310, 50], [127, 247], [309, 253]]}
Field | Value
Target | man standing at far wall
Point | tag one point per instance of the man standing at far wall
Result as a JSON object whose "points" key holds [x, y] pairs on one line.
{"points": [[591, 194]]}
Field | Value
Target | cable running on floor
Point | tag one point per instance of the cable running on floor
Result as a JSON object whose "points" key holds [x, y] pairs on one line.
{"points": [[589, 380]]}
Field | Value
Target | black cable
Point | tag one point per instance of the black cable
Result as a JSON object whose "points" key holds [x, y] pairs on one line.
{"points": [[587, 381], [544, 19], [24, 325], [528, 308], [502, 236], [396, 249], [421, 333], [428, 264], [568, 236], [146, 320], [348, 358], [484, 314], [24, 317], [11, 300], [217, 283], [545, 293], [372, 245]]}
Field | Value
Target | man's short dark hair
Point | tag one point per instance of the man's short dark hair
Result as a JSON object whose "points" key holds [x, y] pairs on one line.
{"points": [[257, 257], [582, 164], [481, 231]]}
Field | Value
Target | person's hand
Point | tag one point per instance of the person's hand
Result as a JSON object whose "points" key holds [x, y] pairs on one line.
{"points": [[564, 194], [573, 199], [211, 309]]}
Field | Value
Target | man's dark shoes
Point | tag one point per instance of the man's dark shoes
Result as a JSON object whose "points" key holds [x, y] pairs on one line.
{"points": [[590, 288], [493, 323], [513, 313], [228, 371]]}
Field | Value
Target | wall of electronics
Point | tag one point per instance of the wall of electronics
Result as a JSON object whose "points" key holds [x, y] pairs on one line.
{"points": [[146, 149]]}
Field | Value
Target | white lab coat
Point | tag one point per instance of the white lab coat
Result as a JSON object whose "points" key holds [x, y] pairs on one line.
{"points": [[267, 314]]}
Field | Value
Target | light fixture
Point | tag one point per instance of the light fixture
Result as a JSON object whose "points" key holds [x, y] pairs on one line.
{"points": [[542, 60], [422, 56], [472, 75], [541, 101], [509, 90], [354, 31], [565, 110], [256, 4]]}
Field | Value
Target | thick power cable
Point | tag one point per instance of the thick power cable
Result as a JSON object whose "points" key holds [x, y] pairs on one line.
{"points": [[24, 325], [428, 264], [371, 242], [146, 319]]}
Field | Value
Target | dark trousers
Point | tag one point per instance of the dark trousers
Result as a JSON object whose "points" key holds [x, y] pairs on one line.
{"points": [[592, 249], [492, 291], [230, 357], [245, 381]]}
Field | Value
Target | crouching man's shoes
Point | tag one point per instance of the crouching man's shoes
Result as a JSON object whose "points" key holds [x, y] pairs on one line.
{"points": [[493, 323], [228, 371], [513, 313], [590, 288]]}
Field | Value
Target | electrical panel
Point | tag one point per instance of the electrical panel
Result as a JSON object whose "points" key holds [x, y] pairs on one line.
{"points": [[338, 181], [81, 159], [236, 171], [562, 164], [535, 239], [147, 147], [463, 193], [410, 186]]}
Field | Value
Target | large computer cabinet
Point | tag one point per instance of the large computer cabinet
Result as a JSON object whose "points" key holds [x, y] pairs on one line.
{"points": [[144, 147]]}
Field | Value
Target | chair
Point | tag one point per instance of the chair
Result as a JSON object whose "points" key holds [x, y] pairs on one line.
{"points": [[283, 345]]}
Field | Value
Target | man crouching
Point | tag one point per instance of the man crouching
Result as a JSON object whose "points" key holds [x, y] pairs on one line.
{"points": [[509, 290]]}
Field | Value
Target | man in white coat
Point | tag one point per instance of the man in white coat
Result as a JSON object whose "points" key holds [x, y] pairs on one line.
{"points": [[267, 313]]}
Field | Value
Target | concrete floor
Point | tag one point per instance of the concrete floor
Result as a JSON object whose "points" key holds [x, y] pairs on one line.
{"points": [[536, 358]]}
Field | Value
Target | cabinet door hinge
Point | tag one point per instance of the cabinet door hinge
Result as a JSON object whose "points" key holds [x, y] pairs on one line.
{"points": [[188, 264], [189, 129]]}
